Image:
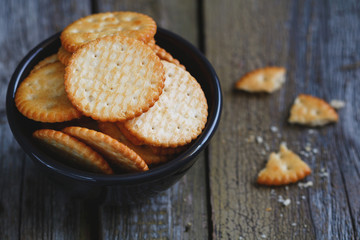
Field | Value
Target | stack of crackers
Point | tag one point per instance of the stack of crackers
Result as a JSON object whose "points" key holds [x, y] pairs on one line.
{"points": [[109, 69]]}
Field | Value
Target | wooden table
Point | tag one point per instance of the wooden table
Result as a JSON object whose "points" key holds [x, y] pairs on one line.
{"points": [[319, 44]]}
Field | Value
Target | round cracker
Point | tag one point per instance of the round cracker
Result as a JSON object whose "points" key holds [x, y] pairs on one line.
{"points": [[179, 115], [64, 56], [114, 78], [77, 152], [50, 59], [144, 151], [89, 28], [117, 153], [42, 97]]}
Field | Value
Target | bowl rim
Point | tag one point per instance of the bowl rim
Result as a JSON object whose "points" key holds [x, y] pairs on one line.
{"points": [[166, 169]]}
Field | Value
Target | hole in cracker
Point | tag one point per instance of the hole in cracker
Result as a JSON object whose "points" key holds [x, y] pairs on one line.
{"points": [[170, 75], [152, 128], [95, 55], [91, 98], [188, 94], [196, 116], [118, 64], [178, 127]]}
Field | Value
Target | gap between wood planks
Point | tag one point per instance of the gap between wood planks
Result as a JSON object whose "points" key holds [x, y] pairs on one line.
{"points": [[201, 45]]}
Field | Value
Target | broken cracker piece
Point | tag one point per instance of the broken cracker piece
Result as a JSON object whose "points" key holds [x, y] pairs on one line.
{"points": [[283, 168], [266, 79], [312, 111]]}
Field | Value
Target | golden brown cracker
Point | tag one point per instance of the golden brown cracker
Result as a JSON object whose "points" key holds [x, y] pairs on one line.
{"points": [[116, 152], [144, 151], [41, 96], [75, 151], [312, 111], [179, 115], [266, 79], [64, 56], [50, 59], [114, 79], [164, 55], [128, 134], [283, 168], [89, 28]]}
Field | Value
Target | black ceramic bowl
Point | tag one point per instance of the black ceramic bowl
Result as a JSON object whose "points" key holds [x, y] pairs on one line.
{"points": [[129, 185]]}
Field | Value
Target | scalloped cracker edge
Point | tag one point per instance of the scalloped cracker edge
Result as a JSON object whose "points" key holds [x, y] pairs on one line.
{"points": [[283, 168], [312, 111], [268, 79]]}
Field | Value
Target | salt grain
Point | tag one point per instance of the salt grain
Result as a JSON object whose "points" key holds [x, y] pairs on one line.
{"points": [[259, 139], [274, 129]]}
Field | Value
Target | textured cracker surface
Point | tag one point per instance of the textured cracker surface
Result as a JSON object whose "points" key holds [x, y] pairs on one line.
{"points": [[283, 168], [89, 28], [117, 153], [50, 59], [312, 111], [63, 56], [75, 151], [266, 79], [114, 79], [145, 152], [179, 115], [42, 97]]}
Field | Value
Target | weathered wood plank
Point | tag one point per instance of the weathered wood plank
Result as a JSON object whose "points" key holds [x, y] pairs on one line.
{"points": [[180, 212], [312, 39], [32, 207]]}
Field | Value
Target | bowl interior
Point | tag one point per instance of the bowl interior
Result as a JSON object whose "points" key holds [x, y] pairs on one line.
{"points": [[186, 53]]}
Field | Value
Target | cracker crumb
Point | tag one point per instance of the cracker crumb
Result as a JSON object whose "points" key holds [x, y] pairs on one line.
{"points": [[281, 215], [315, 150], [305, 154], [287, 188], [259, 139], [263, 152], [263, 236], [303, 197], [298, 202], [337, 104], [308, 147], [311, 131], [324, 174], [274, 129], [305, 185], [293, 224], [285, 202], [269, 209], [250, 139], [241, 238]]}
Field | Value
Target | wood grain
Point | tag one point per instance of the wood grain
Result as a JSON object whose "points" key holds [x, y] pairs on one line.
{"points": [[32, 207], [181, 211], [312, 39]]}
